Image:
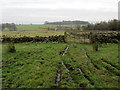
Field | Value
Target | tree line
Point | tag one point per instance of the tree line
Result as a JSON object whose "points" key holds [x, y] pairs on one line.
{"points": [[76, 22], [110, 25], [10, 26]]}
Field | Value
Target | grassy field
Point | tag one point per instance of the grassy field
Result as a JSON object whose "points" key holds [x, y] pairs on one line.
{"points": [[80, 67], [38, 27], [34, 27], [32, 31], [0, 66], [64, 65]]}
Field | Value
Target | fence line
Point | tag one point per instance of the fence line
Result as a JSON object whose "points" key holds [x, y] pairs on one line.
{"points": [[92, 37], [59, 38]]}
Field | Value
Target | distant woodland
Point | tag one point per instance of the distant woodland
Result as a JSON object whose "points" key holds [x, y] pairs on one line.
{"points": [[67, 23], [113, 25], [10, 26], [110, 25]]}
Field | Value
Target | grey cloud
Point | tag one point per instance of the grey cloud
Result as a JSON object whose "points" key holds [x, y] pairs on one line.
{"points": [[41, 15]]}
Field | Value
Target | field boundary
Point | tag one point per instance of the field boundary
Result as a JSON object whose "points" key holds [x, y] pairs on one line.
{"points": [[59, 38]]}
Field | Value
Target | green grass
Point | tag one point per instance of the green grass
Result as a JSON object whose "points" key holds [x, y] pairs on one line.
{"points": [[34, 27], [34, 30], [30, 65], [108, 52], [35, 65], [0, 65], [38, 27], [101, 77], [32, 33]]}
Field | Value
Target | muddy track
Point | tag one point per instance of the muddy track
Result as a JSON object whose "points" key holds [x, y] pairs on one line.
{"points": [[110, 64], [111, 69], [88, 57], [78, 74], [80, 71], [58, 78], [67, 70], [59, 72], [70, 69], [106, 67], [65, 50], [86, 76], [65, 65]]}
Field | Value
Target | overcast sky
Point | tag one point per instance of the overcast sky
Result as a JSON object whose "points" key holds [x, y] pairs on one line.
{"points": [[39, 11]]}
